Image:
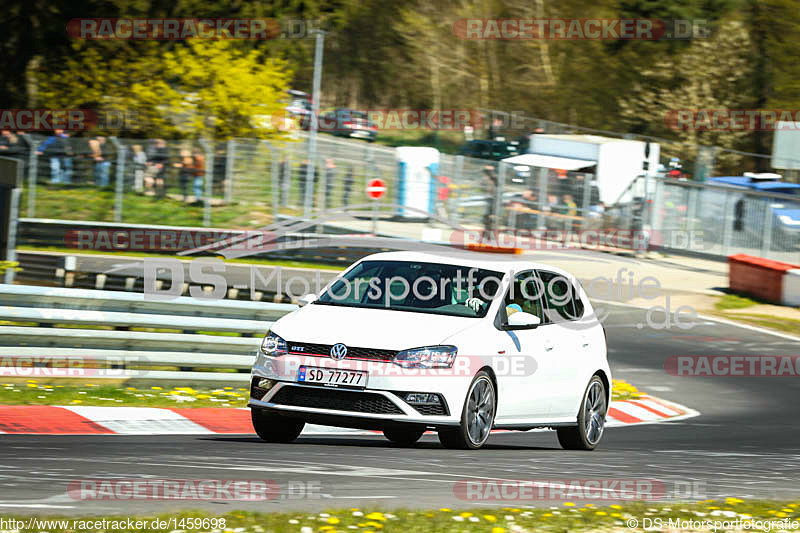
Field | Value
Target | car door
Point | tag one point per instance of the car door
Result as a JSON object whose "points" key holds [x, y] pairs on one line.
{"points": [[525, 385], [571, 341]]}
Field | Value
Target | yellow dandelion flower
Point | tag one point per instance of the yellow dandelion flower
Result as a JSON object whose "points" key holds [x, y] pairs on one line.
{"points": [[615, 506], [446, 510], [569, 504], [733, 501], [156, 388], [498, 530], [601, 513], [490, 518], [333, 520], [781, 515], [465, 515], [547, 515], [376, 516]]}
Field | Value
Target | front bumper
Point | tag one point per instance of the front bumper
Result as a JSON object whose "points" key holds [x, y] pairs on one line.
{"points": [[380, 404]]}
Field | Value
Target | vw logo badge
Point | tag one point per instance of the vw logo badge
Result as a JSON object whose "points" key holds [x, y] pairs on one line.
{"points": [[338, 351]]}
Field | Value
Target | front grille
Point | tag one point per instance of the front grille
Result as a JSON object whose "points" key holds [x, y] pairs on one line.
{"points": [[431, 410], [257, 392], [338, 400], [353, 352]]}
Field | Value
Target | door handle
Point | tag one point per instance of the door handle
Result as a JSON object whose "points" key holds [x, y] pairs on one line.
{"points": [[548, 346]]}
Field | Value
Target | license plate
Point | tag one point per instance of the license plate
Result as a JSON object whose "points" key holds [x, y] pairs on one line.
{"points": [[332, 376]]}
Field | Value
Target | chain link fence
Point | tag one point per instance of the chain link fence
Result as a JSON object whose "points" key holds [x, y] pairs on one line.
{"points": [[249, 183]]}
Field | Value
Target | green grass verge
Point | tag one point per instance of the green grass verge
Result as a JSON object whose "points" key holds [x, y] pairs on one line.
{"points": [[786, 325], [42, 392], [91, 203], [568, 517], [733, 301]]}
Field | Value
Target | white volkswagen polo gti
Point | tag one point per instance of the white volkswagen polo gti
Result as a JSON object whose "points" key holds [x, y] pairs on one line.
{"points": [[406, 342]]}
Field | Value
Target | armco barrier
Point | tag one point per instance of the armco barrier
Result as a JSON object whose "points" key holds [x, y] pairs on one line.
{"points": [[153, 353], [767, 280]]}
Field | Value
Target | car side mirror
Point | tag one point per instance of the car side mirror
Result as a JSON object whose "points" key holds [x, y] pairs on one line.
{"points": [[522, 320], [307, 299]]}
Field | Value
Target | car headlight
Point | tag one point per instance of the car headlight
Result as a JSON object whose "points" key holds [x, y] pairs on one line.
{"points": [[273, 345], [427, 357]]}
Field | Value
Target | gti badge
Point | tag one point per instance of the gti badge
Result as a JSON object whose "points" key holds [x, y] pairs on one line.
{"points": [[338, 351]]}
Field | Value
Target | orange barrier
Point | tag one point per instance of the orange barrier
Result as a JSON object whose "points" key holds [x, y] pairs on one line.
{"points": [[758, 277]]}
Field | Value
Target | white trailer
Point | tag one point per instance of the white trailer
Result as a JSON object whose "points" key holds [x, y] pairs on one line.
{"points": [[619, 161]]}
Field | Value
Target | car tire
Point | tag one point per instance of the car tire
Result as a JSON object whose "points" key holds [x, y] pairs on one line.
{"points": [[403, 436], [477, 416], [275, 428], [591, 419]]}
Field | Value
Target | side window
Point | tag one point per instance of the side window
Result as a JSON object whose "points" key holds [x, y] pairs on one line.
{"points": [[525, 295], [561, 298]]}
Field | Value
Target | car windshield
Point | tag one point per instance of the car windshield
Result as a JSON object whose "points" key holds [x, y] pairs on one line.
{"points": [[415, 287]]}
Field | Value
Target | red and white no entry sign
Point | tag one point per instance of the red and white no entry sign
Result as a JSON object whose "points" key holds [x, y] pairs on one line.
{"points": [[376, 188]]}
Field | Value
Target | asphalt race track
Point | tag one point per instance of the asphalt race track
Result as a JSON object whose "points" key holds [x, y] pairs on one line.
{"points": [[746, 443]]}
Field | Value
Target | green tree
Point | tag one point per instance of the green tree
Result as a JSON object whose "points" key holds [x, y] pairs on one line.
{"points": [[709, 74], [218, 89]]}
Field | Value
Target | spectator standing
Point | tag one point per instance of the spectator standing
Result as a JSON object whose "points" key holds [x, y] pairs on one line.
{"points": [[157, 161], [443, 196], [185, 166], [14, 147], [490, 186], [284, 180], [305, 184], [349, 181], [199, 171], [55, 148], [139, 159], [330, 178], [4, 140], [99, 152]]}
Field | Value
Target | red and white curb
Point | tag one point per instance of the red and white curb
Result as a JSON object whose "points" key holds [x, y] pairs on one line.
{"points": [[646, 410], [87, 420]]}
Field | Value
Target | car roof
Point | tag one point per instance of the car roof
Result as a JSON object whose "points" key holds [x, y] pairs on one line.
{"points": [[465, 258]]}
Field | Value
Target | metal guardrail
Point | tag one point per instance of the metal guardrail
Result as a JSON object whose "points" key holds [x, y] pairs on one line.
{"points": [[123, 354], [35, 296]]}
